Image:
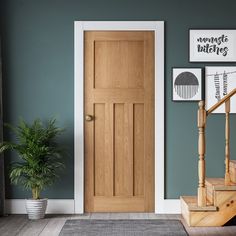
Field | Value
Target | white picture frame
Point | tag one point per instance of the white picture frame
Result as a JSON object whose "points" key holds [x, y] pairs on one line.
{"points": [[212, 45], [219, 81], [186, 84]]}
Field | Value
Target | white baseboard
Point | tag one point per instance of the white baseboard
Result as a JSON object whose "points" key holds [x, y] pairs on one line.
{"points": [[55, 206], [66, 206]]}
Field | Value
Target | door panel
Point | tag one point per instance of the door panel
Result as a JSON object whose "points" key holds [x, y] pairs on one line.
{"points": [[99, 149], [119, 141], [122, 66], [138, 149]]}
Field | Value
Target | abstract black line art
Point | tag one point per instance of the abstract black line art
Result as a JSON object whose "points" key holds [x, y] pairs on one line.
{"points": [[217, 86], [225, 83], [219, 81], [186, 85]]}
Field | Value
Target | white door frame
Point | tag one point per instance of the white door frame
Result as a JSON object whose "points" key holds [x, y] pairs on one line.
{"points": [[161, 205]]}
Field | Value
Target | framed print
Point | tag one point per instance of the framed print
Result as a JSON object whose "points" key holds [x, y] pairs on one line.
{"points": [[212, 45], [219, 81], [186, 84]]}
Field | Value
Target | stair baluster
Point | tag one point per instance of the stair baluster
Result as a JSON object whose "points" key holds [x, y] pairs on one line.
{"points": [[201, 152], [227, 145]]}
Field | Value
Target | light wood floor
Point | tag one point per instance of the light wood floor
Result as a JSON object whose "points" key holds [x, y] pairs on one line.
{"points": [[51, 226]]}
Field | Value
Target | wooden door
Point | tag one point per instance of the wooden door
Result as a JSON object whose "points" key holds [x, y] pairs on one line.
{"points": [[119, 126]]}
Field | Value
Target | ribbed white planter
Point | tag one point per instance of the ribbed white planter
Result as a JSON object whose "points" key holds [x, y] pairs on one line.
{"points": [[36, 208]]}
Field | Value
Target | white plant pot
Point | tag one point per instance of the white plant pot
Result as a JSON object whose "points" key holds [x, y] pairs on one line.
{"points": [[36, 208]]}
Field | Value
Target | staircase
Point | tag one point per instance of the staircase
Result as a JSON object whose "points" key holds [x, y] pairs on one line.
{"points": [[215, 203]]}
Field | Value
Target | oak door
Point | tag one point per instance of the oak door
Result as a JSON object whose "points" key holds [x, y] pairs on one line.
{"points": [[119, 121]]}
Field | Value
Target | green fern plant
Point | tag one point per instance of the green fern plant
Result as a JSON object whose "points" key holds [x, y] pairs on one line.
{"points": [[41, 156]]}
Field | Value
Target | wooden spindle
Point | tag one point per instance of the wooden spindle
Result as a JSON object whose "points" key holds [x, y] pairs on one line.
{"points": [[201, 152], [227, 139]]}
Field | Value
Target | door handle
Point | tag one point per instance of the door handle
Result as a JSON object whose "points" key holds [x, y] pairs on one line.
{"points": [[88, 118]]}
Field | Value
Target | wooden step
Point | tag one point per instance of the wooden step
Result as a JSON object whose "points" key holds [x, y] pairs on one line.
{"points": [[191, 204], [191, 212], [217, 184], [232, 170], [217, 215]]}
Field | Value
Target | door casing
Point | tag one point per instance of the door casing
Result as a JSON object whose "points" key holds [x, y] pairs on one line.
{"points": [[158, 28]]}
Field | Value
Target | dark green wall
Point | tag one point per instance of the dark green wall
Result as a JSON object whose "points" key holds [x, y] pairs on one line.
{"points": [[38, 75]]}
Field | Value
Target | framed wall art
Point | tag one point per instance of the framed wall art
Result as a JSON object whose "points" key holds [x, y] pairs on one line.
{"points": [[212, 45], [219, 81], [186, 84]]}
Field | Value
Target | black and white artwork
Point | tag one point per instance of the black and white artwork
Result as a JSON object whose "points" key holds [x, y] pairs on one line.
{"points": [[208, 45], [187, 84], [220, 80]]}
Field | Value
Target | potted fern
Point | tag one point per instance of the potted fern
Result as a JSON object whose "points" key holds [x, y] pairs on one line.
{"points": [[40, 159]]}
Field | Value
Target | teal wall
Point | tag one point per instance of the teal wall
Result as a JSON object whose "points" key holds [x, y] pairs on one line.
{"points": [[38, 75]]}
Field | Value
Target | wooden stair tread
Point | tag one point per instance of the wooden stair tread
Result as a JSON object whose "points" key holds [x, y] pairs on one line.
{"points": [[219, 184], [191, 202]]}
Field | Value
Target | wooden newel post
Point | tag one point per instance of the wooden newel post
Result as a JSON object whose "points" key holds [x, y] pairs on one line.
{"points": [[227, 146], [201, 152]]}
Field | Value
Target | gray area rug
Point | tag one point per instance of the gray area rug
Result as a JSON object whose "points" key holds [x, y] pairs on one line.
{"points": [[123, 227]]}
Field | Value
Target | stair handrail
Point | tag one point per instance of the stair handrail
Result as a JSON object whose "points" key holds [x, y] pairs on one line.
{"points": [[223, 100], [202, 117]]}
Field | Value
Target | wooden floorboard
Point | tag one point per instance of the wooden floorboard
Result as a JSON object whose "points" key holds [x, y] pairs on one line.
{"points": [[51, 226], [12, 225], [34, 227], [54, 225]]}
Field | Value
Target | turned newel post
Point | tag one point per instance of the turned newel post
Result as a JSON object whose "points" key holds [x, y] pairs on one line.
{"points": [[201, 153], [227, 147]]}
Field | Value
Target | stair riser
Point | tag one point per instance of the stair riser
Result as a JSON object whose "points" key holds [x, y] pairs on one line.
{"points": [[232, 171], [185, 212], [210, 195], [225, 200]]}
